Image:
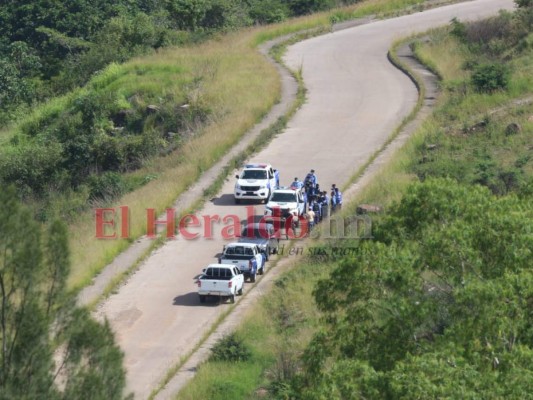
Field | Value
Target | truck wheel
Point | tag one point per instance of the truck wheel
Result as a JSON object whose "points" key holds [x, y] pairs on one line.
{"points": [[260, 271], [202, 298], [232, 298], [252, 278], [239, 292]]}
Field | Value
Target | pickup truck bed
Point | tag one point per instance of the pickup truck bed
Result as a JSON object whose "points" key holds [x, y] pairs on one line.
{"points": [[246, 257]]}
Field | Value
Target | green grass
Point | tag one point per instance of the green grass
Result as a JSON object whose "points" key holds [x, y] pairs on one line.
{"points": [[466, 137], [232, 384]]}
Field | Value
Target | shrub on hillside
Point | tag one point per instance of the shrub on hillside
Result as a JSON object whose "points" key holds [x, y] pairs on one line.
{"points": [[32, 167], [524, 3], [268, 11], [303, 7], [231, 348], [106, 186], [490, 77]]}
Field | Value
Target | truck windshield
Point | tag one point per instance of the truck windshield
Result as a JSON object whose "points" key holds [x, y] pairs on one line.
{"points": [[254, 174], [284, 197]]}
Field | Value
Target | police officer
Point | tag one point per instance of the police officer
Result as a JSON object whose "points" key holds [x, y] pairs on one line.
{"points": [[338, 198], [317, 210], [311, 178], [332, 197], [324, 201], [296, 184]]}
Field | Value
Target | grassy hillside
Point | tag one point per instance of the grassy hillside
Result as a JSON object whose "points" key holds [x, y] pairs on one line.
{"points": [[438, 304], [140, 133], [222, 77], [50, 47]]}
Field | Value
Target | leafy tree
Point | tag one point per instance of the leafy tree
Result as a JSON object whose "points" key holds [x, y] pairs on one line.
{"points": [[18, 67], [269, 11], [33, 167], [187, 14], [226, 15], [524, 3], [38, 318], [438, 307], [303, 7]]}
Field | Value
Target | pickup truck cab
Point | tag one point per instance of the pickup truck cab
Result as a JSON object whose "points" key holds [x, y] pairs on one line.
{"points": [[256, 182], [287, 200], [220, 280], [247, 257], [263, 235]]}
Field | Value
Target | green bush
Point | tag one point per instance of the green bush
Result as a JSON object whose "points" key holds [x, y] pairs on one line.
{"points": [[231, 348], [107, 186], [303, 7], [458, 29], [268, 11], [524, 3], [490, 77], [34, 168]]}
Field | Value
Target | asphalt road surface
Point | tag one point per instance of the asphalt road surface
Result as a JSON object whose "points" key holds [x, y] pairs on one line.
{"points": [[355, 100]]}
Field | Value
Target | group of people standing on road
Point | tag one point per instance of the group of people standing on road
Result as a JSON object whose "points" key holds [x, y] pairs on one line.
{"points": [[317, 201]]}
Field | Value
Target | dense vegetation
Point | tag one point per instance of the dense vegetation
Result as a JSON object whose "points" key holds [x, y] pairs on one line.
{"points": [[51, 46], [78, 146], [49, 348], [439, 303]]}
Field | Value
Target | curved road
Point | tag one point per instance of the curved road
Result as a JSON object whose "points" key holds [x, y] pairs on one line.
{"points": [[355, 100]]}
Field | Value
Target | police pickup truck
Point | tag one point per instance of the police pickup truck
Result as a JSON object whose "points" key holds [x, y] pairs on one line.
{"points": [[263, 235], [220, 280], [256, 182], [287, 201], [246, 256]]}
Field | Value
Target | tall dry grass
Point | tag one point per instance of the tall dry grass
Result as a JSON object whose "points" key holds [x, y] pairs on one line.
{"points": [[233, 75]]}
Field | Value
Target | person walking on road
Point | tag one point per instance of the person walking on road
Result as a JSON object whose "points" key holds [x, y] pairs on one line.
{"points": [[324, 201], [336, 199]]}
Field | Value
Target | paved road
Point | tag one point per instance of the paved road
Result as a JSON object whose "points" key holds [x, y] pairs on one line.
{"points": [[355, 100]]}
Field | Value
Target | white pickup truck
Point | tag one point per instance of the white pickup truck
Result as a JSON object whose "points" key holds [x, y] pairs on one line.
{"points": [[221, 281], [247, 257], [287, 201], [256, 182]]}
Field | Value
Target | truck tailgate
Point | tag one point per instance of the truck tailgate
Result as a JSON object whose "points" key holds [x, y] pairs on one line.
{"points": [[214, 286]]}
